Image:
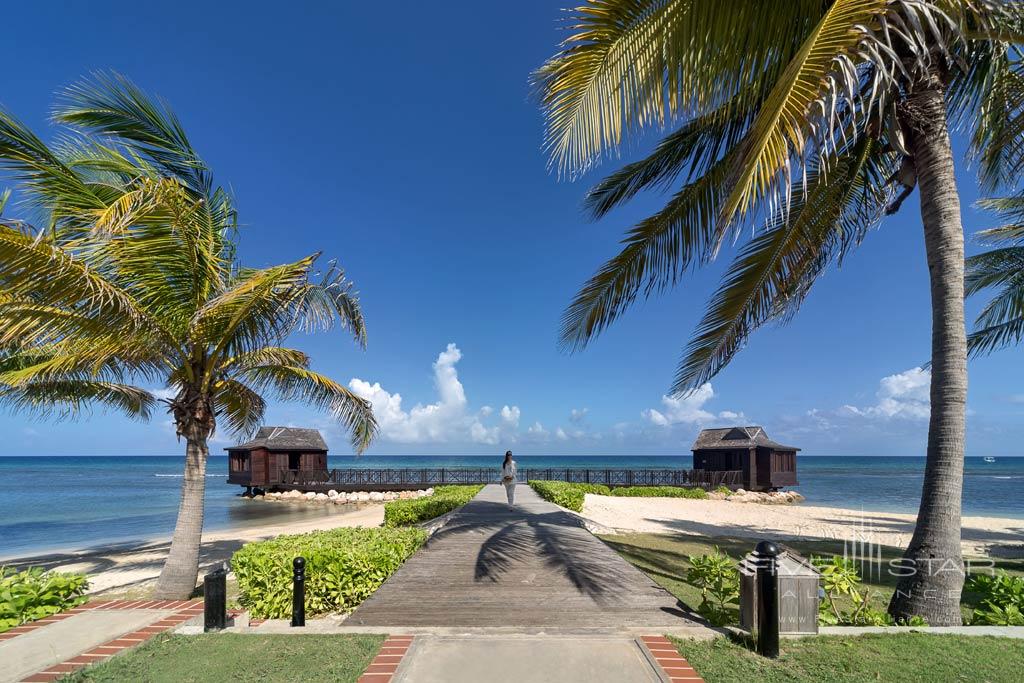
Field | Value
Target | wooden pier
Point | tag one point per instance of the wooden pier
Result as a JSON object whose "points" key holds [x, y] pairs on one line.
{"points": [[532, 566], [412, 478]]}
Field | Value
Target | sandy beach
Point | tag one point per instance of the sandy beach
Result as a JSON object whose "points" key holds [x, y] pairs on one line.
{"points": [[127, 567], [996, 536]]}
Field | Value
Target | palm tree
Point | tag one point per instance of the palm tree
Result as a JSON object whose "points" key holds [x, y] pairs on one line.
{"points": [[1001, 322], [804, 116], [132, 280]]}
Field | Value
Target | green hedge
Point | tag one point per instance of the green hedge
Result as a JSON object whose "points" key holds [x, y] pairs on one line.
{"points": [[343, 567], [565, 494], [659, 492], [413, 510], [34, 594], [571, 495]]}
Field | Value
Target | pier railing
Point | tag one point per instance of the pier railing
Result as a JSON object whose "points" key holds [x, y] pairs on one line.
{"points": [[350, 479]]}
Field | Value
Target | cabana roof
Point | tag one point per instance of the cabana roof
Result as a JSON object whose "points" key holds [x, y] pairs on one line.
{"points": [[285, 439], [737, 437]]}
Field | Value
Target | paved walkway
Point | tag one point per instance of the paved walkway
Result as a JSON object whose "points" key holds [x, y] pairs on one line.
{"points": [[50, 648], [534, 566]]}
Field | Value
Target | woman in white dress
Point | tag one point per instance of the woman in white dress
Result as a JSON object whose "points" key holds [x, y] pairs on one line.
{"points": [[508, 478]]}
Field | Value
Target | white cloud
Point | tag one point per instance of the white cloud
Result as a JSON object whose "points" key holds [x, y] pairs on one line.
{"points": [[561, 435], [576, 415], [903, 395], [537, 430], [688, 409], [510, 416], [446, 420]]}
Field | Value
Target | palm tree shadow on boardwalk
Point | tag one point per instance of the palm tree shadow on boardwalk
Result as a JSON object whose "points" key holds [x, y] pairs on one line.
{"points": [[532, 566]]}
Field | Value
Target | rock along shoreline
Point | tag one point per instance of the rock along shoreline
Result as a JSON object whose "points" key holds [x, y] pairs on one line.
{"points": [[339, 497]]}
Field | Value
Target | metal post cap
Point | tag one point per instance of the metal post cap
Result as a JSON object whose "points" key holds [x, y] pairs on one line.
{"points": [[299, 562], [767, 549]]}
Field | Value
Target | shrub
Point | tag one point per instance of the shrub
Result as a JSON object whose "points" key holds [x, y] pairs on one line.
{"points": [[659, 492], [1002, 599], [719, 583], [34, 594], [840, 577], [722, 488], [413, 510], [565, 494], [343, 567]]}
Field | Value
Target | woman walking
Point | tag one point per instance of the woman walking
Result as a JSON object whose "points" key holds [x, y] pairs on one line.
{"points": [[508, 478]]}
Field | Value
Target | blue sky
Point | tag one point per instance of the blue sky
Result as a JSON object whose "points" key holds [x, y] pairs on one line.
{"points": [[401, 140]]}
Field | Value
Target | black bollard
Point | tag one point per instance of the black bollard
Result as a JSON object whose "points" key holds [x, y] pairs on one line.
{"points": [[299, 591], [215, 599], [767, 599]]}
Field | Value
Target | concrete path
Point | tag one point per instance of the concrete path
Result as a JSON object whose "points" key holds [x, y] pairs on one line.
{"points": [[534, 566], [527, 659], [50, 648], [44, 647]]}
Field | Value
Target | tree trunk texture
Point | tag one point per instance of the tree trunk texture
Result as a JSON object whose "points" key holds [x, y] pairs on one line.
{"points": [[932, 569], [181, 570]]}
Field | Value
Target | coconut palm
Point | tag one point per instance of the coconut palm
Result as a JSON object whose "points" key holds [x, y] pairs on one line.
{"points": [[131, 281], [1001, 322], [812, 118]]}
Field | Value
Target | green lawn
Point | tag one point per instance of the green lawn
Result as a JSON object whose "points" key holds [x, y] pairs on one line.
{"points": [[903, 658], [237, 657], [663, 558]]}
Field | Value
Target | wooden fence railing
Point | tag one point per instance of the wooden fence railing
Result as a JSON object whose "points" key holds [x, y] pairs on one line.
{"points": [[417, 477]]}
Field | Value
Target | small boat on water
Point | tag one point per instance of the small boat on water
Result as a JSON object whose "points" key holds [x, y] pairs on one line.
{"points": [[989, 458]]}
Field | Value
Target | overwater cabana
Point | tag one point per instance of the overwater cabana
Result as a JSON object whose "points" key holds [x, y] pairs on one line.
{"points": [[762, 464], [277, 457]]}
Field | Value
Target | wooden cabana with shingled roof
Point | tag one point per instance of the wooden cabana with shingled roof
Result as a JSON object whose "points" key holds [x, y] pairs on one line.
{"points": [[765, 464], [277, 457]]}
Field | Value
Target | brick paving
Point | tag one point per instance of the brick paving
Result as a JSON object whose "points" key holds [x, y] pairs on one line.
{"points": [[671, 662], [382, 669]]}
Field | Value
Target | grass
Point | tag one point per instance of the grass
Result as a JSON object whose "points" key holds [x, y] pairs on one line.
{"points": [[905, 657], [664, 558], [237, 657]]}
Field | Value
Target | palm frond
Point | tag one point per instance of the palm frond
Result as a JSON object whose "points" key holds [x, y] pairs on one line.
{"points": [[803, 108], [631, 64], [655, 254], [774, 271], [238, 406], [36, 268], [301, 384], [110, 104], [71, 398], [265, 306], [267, 355]]}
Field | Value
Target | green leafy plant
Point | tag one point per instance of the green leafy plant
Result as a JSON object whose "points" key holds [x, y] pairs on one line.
{"points": [[566, 494], [659, 492], [1002, 602], [35, 594], [343, 568], [722, 488], [840, 579], [413, 510], [719, 583]]}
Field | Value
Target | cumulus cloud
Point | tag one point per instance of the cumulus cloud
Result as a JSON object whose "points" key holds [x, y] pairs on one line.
{"points": [[688, 409], [446, 420], [577, 415], [510, 416], [900, 396]]}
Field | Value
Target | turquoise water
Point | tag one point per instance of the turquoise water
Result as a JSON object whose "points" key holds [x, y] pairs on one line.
{"points": [[76, 502]]}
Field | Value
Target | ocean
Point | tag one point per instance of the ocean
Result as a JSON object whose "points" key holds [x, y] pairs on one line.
{"points": [[50, 503]]}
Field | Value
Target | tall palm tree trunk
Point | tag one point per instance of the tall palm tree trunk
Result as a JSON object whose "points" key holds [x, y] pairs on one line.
{"points": [[932, 569], [178, 577]]}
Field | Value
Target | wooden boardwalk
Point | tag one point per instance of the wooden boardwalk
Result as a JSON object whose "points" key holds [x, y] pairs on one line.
{"points": [[532, 566]]}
